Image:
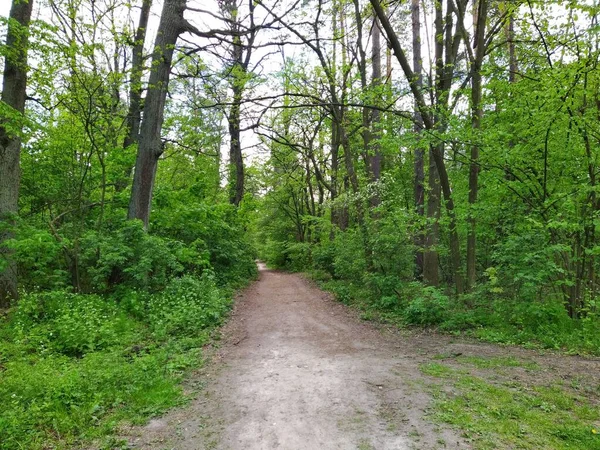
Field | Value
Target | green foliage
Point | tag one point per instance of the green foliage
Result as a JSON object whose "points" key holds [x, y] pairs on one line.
{"points": [[40, 257], [70, 324], [349, 260], [186, 307], [212, 235], [74, 365], [511, 414], [429, 307], [129, 257]]}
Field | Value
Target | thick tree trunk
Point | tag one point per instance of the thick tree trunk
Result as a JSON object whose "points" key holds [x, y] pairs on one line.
{"points": [[14, 86], [150, 146], [134, 113]]}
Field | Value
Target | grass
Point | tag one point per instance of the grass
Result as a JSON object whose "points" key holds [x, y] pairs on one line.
{"points": [[511, 414], [528, 324], [477, 395], [73, 367]]}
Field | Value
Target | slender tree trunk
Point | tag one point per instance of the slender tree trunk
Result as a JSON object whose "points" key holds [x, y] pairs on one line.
{"points": [[236, 161], [150, 145], [431, 262], [375, 150], [477, 114], [14, 86], [419, 167], [134, 113]]}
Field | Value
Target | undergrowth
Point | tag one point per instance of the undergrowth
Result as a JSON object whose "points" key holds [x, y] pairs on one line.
{"points": [[542, 324], [73, 366]]}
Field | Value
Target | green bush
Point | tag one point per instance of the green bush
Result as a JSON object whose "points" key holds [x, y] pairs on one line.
{"points": [[297, 256], [70, 324], [429, 307], [186, 307], [73, 365], [349, 261], [40, 258], [127, 256], [215, 232]]}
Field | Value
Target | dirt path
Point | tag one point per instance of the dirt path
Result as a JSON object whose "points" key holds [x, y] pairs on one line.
{"points": [[299, 371]]}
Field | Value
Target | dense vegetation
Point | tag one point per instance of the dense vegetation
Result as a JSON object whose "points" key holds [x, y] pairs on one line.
{"points": [[110, 314], [497, 237], [449, 182]]}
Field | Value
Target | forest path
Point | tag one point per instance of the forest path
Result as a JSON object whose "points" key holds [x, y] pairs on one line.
{"points": [[298, 370]]}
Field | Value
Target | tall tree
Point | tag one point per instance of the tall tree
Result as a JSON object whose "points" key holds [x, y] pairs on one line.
{"points": [[14, 85], [172, 24], [447, 43], [134, 114], [240, 57], [476, 55], [419, 168]]}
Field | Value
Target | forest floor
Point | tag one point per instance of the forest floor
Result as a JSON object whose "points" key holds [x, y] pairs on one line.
{"points": [[298, 370]]}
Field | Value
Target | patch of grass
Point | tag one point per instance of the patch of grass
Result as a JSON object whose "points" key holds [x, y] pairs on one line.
{"points": [[438, 370], [72, 366], [498, 362], [513, 415], [364, 444]]}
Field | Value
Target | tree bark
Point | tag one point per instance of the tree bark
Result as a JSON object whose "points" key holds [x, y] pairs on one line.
{"points": [[477, 114], [236, 161], [431, 260], [150, 145], [375, 157], [14, 86], [134, 113], [419, 165]]}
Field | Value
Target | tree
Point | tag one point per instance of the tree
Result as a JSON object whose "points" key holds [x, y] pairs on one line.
{"points": [[134, 114], [14, 85], [434, 119], [150, 148]]}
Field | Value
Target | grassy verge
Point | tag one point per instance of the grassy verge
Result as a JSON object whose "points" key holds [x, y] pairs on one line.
{"points": [[72, 367], [495, 410], [528, 324]]}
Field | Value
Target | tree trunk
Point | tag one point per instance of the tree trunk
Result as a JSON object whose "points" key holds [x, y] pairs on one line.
{"points": [[375, 150], [150, 146], [134, 113], [236, 161], [14, 86], [431, 262], [419, 166], [477, 114]]}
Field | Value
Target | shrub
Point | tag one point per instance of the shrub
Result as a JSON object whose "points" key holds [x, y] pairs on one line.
{"points": [[40, 258], [127, 256], [429, 307], [349, 261], [186, 307], [70, 324]]}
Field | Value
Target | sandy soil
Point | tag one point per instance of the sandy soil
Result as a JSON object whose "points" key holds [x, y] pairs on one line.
{"points": [[299, 371]]}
